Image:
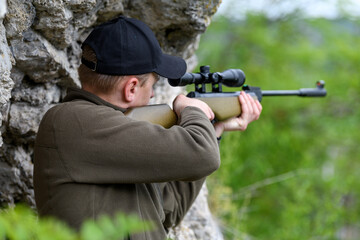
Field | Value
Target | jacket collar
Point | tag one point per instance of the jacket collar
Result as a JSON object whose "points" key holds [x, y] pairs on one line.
{"points": [[74, 94]]}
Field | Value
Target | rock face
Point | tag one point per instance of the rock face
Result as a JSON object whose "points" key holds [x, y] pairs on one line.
{"points": [[39, 54]]}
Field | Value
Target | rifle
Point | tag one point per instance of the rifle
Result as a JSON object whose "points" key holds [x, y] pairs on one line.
{"points": [[224, 104]]}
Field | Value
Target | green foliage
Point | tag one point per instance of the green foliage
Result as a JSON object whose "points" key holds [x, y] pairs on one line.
{"points": [[21, 223], [293, 173], [119, 228]]}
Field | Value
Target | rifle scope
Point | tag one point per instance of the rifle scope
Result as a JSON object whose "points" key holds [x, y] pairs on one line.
{"points": [[230, 78]]}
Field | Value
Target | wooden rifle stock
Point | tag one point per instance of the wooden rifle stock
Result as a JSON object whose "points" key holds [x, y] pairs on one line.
{"points": [[162, 114]]}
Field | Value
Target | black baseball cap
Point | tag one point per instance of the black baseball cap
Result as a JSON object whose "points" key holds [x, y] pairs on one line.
{"points": [[127, 46]]}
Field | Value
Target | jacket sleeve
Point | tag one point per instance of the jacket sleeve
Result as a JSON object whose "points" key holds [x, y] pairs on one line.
{"points": [[104, 146], [178, 197]]}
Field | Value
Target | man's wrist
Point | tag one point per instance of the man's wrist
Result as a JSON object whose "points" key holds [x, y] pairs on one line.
{"points": [[219, 129]]}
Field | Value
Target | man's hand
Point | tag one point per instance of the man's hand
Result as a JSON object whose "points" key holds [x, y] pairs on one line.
{"points": [[182, 102], [250, 111]]}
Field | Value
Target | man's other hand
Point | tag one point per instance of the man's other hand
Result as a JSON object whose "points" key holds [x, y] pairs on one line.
{"points": [[250, 111]]}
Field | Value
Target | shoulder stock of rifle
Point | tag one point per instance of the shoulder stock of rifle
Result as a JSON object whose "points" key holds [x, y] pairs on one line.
{"points": [[160, 114], [225, 105]]}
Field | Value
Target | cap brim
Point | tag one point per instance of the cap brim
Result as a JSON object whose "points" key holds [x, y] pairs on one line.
{"points": [[171, 67]]}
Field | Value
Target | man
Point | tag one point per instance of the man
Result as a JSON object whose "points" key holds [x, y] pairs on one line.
{"points": [[90, 159]]}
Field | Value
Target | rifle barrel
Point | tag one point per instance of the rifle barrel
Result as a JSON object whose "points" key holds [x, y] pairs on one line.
{"points": [[280, 93], [319, 91]]}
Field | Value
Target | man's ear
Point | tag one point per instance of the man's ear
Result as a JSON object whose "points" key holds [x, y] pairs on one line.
{"points": [[130, 88]]}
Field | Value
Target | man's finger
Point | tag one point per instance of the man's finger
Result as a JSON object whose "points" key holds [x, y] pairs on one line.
{"points": [[244, 107], [249, 101]]}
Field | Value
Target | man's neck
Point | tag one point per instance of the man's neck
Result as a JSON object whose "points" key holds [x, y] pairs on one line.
{"points": [[112, 98]]}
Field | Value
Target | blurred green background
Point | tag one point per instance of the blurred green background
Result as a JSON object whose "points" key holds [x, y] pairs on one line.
{"points": [[294, 173]]}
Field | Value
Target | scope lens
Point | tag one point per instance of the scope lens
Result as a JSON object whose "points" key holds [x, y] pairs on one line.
{"points": [[232, 77]]}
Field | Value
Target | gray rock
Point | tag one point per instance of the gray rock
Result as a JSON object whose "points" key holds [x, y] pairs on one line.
{"points": [[17, 76], [3, 8], [19, 18], [36, 94], [39, 55], [81, 6], [53, 20], [39, 60], [10, 190], [24, 119], [198, 222], [110, 9], [6, 83], [6, 61], [20, 173], [176, 23]]}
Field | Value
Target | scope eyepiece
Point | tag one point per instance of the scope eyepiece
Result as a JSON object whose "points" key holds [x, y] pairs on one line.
{"points": [[186, 79]]}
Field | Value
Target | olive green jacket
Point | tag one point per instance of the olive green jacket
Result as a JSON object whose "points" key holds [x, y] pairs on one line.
{"points": [[91, 160]]}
